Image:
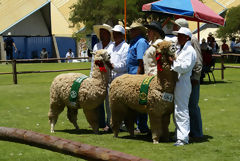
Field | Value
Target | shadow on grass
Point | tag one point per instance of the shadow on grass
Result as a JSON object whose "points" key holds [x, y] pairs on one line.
{"points": [[142, 137], [81, 131], [217, 82], [148, 138]]}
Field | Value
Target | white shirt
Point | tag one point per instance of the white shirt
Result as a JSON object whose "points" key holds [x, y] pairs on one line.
{"points": [[71, 55], [149, 59], [186, 59], [99, 46], [119, 58]]}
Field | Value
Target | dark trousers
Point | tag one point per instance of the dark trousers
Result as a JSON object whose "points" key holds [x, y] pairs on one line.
{"points": [[9, 54], [141, 121], [194, 113], [102, 122]]}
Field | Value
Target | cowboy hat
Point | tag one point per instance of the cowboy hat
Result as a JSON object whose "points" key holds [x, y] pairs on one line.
{"points": [[157, 27], [135, 25], [96, 29]]}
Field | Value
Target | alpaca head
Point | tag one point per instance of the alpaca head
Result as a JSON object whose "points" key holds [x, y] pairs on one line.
{"points": [[164, 50], [102, 59]]}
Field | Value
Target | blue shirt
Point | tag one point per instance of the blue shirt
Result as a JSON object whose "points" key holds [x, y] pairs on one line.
{"points": [[137, 48]]}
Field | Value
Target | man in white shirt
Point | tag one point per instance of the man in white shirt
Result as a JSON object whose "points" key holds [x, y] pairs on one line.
{"points": [[70, 54], [119, 51], [104, 35], [183, 64]]}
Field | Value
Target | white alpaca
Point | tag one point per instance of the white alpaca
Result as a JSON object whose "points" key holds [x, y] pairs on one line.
{"points": [[91, 94]]}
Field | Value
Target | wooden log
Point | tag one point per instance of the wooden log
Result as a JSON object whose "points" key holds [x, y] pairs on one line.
{"points": [[64, 146]]}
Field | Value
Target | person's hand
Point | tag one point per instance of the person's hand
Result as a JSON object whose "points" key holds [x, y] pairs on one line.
{"points": [[171, 59], [110, 65], [15, 50], [194, 82]]}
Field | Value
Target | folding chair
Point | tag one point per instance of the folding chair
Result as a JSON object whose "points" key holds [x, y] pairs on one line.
{"points": [[211, 69]]}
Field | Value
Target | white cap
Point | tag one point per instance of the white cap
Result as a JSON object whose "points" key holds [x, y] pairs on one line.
{"points": [[9, 33], [119, 28], [183, 30]]}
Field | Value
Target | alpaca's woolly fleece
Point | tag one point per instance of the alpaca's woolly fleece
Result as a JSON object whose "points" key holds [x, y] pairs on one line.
{"points": [[92, 93], [124, 98]]}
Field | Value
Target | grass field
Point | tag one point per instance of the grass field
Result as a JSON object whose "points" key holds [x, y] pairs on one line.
{"points": [[26, 105]]}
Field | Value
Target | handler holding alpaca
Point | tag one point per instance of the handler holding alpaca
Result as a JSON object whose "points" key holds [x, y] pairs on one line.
{"points": [[155, 35], [118, 53], [183, 64], [138, 46], [104, 35]]}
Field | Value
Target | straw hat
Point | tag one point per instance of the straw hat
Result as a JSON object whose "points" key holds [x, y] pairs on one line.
{"points": [[136, 25], [96, 29]]}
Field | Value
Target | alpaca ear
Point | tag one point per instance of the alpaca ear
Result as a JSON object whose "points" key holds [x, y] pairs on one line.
{"points": [[93, 53]]}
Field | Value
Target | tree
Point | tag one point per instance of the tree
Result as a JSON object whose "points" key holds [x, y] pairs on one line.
{"points": [[92, 12], [232, 24]]}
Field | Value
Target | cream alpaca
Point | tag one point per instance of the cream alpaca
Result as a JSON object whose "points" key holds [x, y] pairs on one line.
{"points": [[91, 94], [124, 97]]}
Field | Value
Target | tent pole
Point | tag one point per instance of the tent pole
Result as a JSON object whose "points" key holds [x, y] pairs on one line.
{"points": [[125, 18], [165, 22], [198, 28]]}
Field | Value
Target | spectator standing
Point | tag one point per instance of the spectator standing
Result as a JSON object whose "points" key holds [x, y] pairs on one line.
{"points": [[183, 64], [225, 47], [104, 35], [237, 46], [8, 46], [194, 109], [155, 35], [43, 53], [69, 55], [232, 45], [137, 48], [210, 39]]}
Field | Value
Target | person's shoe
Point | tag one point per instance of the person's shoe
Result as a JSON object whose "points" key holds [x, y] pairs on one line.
{"points": [[123, 128], [180, 143], [137, 131]]}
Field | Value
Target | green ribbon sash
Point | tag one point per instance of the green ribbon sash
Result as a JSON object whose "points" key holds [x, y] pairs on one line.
{"points": [[75, 88], [144, 90]]}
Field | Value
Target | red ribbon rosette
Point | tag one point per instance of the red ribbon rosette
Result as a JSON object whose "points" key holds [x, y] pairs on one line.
{"points": [[101, 66], [159, 62]]}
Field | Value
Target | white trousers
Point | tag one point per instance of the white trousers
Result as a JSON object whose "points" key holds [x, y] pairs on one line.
{"points": [[181, 113]]}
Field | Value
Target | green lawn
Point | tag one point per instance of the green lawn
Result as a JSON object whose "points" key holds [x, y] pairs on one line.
{"points": [[26, 105]]}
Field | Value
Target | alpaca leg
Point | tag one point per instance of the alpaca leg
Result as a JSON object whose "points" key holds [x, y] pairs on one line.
{"points": [[72, 116], [54, 111], [130, 120], [156, 126], [165, 124], [117, 117], [92, 117]]}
